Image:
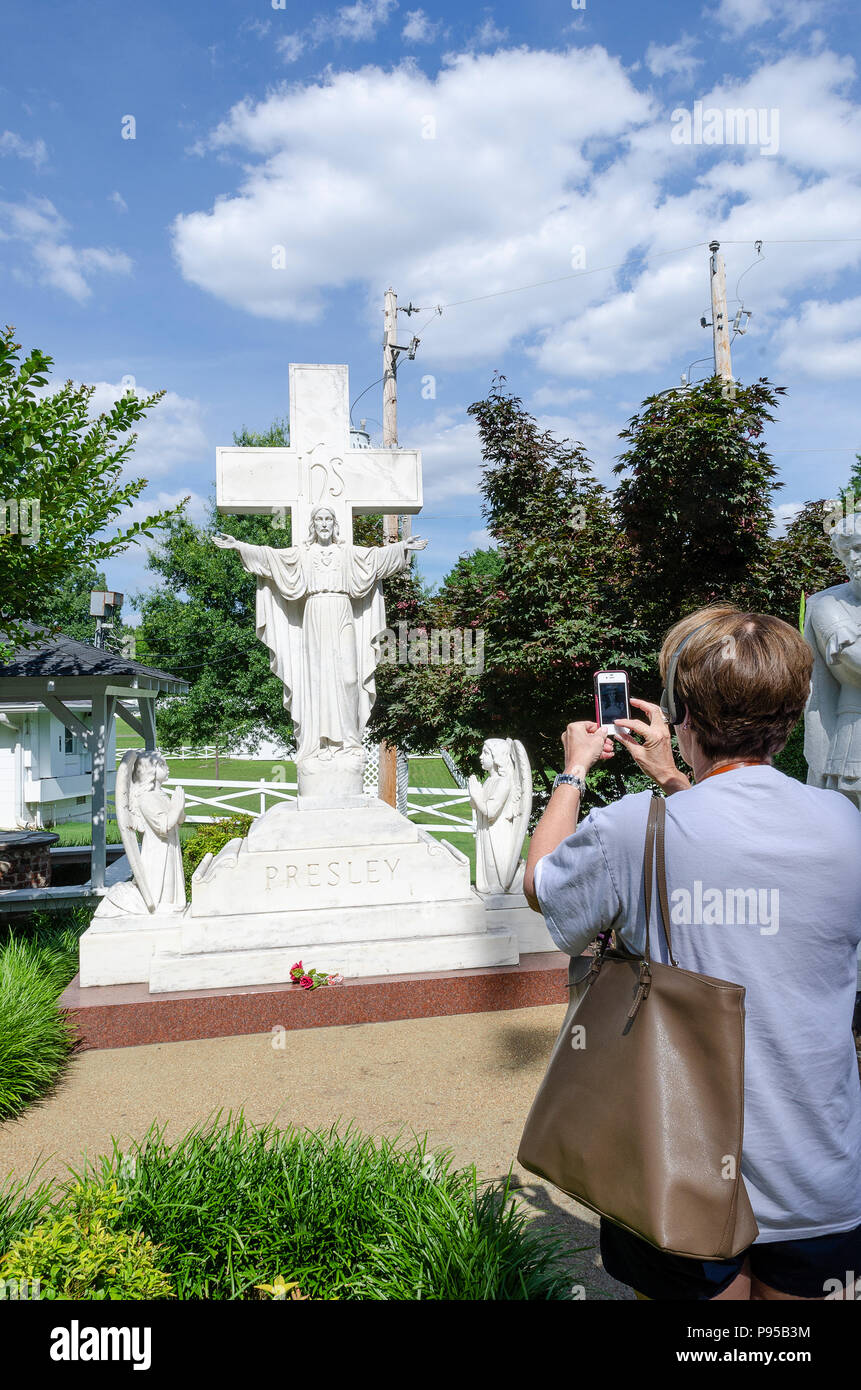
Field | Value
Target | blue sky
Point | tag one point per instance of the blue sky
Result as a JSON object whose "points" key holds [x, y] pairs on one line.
{"points": [[453, 152]]}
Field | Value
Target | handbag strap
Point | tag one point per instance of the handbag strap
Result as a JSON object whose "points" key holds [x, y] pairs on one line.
{"points": [[655, 855]]}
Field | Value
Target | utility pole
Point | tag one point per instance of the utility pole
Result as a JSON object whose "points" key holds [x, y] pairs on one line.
{"points": [[720, 326], [390, 395], [387, 784]]}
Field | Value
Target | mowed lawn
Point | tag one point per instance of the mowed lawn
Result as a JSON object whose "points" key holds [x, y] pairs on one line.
{"points": [[430, 772]]}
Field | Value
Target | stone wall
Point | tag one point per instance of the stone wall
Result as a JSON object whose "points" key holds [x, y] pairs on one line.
{"points": [[25, 859]]}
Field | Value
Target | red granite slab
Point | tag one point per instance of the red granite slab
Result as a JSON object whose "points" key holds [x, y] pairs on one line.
{"points": [[128, 1015]]}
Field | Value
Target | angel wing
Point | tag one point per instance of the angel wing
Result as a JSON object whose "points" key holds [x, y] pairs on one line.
{"points": [[125, 821], [521, 799]]}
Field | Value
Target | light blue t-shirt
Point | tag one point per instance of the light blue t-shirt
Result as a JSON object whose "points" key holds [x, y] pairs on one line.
{"points": [[764, 876]]}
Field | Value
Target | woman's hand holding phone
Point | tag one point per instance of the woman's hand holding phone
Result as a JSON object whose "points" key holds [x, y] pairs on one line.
{"points": [[655, 754], [585, 744]]}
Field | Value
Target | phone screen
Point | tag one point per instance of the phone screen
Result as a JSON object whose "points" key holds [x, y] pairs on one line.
{"points": [[612, 701]]}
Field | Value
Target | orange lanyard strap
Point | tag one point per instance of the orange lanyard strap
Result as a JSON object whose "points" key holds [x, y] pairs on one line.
{"points": [[727, 767]]}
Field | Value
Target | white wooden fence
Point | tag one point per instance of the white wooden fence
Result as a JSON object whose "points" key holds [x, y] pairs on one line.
{"points": [[203, 750], [450, 809], [439, 810], [230, 798]]}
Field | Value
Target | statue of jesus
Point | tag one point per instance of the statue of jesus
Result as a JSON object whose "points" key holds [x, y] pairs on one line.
{"points": [[832, 722], [320, 612]]}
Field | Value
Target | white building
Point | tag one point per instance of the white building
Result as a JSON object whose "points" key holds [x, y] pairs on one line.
{"points": [[59, 702], [46, 773]]}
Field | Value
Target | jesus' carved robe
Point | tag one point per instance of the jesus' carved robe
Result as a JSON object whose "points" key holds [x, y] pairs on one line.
{"points": [[320, 612], [832, 722]]}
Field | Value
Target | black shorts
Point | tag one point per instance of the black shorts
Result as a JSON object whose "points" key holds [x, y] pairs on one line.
{"points": [[799, 1267]]}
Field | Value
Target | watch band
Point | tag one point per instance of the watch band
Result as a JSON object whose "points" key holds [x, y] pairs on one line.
{"points": [[569, 779]]}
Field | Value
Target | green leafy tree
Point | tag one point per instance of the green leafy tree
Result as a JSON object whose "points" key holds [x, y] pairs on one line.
{"points": [[472, 580], [851, 496], [582, 578], [67, 608], [276, 437], [550, 606], [794, 566], [61, 485], [696, 504], [577, 578]]}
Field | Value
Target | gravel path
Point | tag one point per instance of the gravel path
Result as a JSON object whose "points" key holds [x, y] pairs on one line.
{"points": [[467, 1080]]}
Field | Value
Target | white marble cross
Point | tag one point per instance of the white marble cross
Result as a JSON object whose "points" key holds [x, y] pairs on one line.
{"points": [[320, 466]]}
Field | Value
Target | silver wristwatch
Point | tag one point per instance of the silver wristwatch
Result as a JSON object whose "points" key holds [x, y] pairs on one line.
{"points": [[569, 779]]}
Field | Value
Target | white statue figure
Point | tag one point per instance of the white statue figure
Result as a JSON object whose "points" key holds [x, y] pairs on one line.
{"points": [[144, 808], [320, 612], [832, 721], [502, 805]]}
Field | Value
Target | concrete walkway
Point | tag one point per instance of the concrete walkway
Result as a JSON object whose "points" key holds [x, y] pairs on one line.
{"points": [[468, 1080]]}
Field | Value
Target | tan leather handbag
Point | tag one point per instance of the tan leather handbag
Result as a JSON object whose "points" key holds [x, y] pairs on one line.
{"points": [[640, 1115]]}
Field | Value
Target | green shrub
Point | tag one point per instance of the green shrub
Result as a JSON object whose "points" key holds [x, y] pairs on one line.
{"points": [[77, 1253], [209, 839], [22, 1205], [35, 1038], [345, 1216], [792, 760]]}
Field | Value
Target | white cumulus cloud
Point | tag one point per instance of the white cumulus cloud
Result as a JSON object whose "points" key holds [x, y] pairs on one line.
{"points": [[487, 35], [740, 16], [673, 58], [823, 340], [359, 179], [347, 183], [784, 514], [291, 47], [357, 23], [419, 28], [14, 144], [52, 259], [169, 438]]}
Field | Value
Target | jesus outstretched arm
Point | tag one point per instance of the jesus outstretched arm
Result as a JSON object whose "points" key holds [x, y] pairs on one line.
{"points": [[367, 564], [283, 567], [372, 563]]}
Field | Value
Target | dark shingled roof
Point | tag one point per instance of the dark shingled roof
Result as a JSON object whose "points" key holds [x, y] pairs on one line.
{"points": [[62, 656]]}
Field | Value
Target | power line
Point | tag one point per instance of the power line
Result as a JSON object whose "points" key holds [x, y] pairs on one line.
{"points": [[620, 265], [363, 393], [794, 240], [539, 284], [437, 309], [759, 259]]}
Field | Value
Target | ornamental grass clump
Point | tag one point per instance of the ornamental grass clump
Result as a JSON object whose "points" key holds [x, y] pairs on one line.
{"points": [[35, 1038], [232, 1208]]}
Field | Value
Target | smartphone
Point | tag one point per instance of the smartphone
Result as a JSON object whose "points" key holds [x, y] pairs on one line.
{"points": [[611, 698]]}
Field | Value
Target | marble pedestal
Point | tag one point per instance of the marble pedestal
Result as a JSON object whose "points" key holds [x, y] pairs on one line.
{"points": [[353, 888], [118, 950], [511, 912]]}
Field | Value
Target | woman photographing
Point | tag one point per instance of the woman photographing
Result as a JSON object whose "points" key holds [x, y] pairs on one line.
{"points": [[765, 880]]}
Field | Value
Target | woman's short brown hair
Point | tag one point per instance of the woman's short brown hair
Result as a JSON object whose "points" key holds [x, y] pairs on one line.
{"points": [[744, 679]]}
